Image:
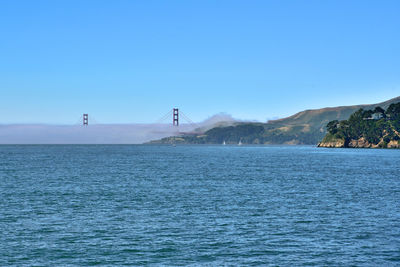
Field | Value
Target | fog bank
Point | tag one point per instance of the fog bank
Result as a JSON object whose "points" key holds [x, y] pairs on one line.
{"points": [[100, 133]]}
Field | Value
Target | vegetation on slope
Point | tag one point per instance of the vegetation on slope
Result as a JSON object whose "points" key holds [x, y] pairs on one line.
{"points": [[366, 128], [250, 133]]}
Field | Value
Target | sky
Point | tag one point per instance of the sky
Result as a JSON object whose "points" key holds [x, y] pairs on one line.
{"points": [[133, 61]]}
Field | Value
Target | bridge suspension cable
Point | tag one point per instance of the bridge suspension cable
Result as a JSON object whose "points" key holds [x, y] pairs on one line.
{"points": [[165, 117], [186, 118], [174, 114]]}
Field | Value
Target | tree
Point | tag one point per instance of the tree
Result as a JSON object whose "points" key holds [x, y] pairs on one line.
{"points": [[380, 111], [393, 111], [332, 126]]}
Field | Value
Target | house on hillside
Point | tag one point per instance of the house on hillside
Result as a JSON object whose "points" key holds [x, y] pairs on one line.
{"points": [[375, 116]]}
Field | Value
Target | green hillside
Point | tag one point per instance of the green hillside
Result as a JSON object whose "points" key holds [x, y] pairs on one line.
{"points": [[318, 118], [306, 127]]}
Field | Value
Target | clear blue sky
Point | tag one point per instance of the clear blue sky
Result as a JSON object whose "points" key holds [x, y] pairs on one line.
{"points": [[132, 61]]}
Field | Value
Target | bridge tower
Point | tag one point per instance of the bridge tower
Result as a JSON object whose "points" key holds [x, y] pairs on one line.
{"points": [[85, 119], [175, 117]]}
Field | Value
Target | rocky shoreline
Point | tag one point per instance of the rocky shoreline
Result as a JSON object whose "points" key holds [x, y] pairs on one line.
{"points": [[359, 143]]}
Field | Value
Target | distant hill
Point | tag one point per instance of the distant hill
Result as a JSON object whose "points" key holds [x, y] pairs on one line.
{"points": [[318, 118], [305, 127], [217, 120]]}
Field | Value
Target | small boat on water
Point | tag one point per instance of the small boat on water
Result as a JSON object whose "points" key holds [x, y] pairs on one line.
{"points": [[240, 143], [224, 143]]}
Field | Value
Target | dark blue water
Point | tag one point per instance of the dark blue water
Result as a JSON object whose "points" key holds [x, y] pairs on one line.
{"points": [[200, 205]]}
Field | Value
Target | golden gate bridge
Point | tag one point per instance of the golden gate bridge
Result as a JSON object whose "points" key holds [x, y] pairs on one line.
{"points": [[174, 115]]}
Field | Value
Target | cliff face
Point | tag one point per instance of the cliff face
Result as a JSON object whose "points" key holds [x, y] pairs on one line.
{"points": [[359, 143], [332, 144], [393, 144]]}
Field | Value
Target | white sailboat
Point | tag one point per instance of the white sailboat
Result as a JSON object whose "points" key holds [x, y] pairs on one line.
{"points": [[240, 143], [224, 143]]}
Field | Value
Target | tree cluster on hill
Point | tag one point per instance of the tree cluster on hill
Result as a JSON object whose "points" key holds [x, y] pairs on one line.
{"points": [[376, 126]]}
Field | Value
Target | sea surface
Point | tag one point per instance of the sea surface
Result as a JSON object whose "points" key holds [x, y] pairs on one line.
{"points": [[78, 205]]}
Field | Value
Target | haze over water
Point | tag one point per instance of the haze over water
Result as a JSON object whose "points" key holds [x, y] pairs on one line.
{"points": [[164, 205]]}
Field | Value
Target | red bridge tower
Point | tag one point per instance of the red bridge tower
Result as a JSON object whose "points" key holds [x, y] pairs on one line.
{"points": [[175, 118], [85, 119]]}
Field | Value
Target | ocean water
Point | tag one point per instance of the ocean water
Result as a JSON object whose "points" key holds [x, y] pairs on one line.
{"points": [[198, 205]]}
